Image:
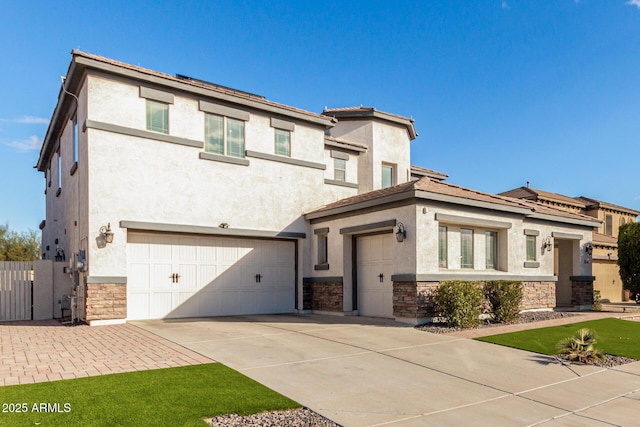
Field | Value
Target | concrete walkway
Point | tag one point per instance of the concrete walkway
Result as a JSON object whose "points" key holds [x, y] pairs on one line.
{"points": [[360, 371], [38, 351]]}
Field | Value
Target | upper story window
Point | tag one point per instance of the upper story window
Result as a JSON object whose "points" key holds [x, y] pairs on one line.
{"points": [[282, 142], [75, 138], [442, 247], [622, 220], [388, 175], [157, 116], [531, 248], [466, 248], [339, 169], [59, 171], [491, 249], [608, 224], [223, 135]]}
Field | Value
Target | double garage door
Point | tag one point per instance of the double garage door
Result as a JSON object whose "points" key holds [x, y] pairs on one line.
{"points": [[189, 276]]}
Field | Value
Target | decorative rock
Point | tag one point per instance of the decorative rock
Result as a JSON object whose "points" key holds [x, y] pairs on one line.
{"points": [[293, 418]]}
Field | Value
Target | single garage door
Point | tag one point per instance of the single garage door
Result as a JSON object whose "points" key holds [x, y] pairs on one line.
{"points": [[191, 276], [375, 267]]}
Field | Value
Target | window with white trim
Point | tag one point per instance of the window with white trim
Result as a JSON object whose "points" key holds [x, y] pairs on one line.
{"points": [[223, 135], [282, 142], [388, 175], [157, 116], [531, 248], [75, 138], [340, 169], [491, 250], [442, 247], [59, 168], [466, 248]]}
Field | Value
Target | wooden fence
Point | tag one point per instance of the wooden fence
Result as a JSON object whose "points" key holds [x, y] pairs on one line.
{"points": [[16, 290]]}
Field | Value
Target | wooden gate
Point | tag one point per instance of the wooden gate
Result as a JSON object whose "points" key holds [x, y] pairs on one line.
{"points": [[16, 290]]}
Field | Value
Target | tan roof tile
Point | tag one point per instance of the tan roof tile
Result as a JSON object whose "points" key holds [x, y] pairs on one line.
{"points": [[599, 203], [604, 239], [535, 194], [197, 83], [418, 170], [431, 185]]}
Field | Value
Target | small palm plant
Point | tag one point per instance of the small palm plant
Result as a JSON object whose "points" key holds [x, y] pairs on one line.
{"points": [[580, 347]]}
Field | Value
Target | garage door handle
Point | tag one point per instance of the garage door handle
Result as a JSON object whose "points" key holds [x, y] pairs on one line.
{"points": [[258, 278], [381, 276], [174, 277]]}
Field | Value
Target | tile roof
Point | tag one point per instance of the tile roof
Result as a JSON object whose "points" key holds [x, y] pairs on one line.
{"points": [[604, 239], [344, 141], [534, 194], [418, 170], [361, 109], [430, 185], [589, 202], [371, 112], [196, 83]]}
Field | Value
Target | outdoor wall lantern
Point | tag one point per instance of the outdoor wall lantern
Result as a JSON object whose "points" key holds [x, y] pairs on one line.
{"points": [[547, 243], [401, 234], [106, 233], [588, 248]]}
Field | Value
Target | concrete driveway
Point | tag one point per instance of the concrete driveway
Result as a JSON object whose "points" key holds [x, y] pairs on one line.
{"points": [[359, 371]]}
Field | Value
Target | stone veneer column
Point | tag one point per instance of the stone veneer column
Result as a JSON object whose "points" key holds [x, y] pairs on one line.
{"points": [[105, 301], [413, 300], [536, 295], [320, 294], [582, 292]]}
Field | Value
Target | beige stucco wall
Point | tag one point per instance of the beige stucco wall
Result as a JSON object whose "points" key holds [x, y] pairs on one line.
{"points": [[141, 179], [65, 214], [386, 143]]}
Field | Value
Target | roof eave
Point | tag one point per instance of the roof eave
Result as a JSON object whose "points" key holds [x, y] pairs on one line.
{"points": [[576, 221], [61, 105], [373, 113], [182, 86]]}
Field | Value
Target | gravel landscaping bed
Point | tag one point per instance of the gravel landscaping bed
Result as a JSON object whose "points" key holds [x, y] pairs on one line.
{"points": [[609, 360], [527, 317], [293, 417]]}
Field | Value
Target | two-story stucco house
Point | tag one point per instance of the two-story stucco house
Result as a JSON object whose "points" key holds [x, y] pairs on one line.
{"points": [[174, 197]]}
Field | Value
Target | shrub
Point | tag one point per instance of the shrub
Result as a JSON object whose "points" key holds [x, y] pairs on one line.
{"points": [[581, 347], [504, 297], [597, 301], [459, 303]]}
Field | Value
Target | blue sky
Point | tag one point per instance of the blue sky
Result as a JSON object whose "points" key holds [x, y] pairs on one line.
{"points": [[501, 91]]}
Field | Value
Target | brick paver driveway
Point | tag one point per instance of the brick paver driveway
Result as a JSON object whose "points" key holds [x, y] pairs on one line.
{"points": [[40, 351]]}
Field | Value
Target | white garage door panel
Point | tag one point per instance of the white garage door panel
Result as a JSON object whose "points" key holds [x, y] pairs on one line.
{"points": [[375, 257], [217, 276]]}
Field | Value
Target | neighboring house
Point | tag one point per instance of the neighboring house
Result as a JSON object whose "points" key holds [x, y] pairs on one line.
{"points": [[605, 235], [174, 197]]}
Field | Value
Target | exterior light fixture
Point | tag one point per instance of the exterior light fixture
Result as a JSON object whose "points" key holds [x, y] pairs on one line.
{"points": [[547, 243], [106, 233], [588, 248], [401, 233], [223, 225]]}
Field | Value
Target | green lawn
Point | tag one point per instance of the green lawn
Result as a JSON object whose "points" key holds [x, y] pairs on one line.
{"points": [[162, 397], [614, 336]]}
